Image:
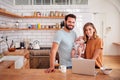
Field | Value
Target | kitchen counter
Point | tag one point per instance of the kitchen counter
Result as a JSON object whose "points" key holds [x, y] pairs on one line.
{"points": [[39, 74], [20, 52]]}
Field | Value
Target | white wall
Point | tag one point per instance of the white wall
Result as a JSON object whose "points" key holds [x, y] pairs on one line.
{"points": [[111, 19]]}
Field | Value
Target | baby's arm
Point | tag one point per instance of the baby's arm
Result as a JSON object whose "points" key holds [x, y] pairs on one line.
{"points": [[83, 50], [73, 53], [79, 51]]}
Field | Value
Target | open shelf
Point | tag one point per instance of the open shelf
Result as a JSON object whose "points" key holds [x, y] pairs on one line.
{"points": [[50, 17], [9, 14], [10, 29]]}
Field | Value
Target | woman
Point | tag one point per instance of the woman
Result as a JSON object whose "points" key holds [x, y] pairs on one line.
{"points": [[94, 44]]}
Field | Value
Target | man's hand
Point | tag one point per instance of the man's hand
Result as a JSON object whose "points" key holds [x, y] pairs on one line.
{"points": [[52, 57], [49, 70]]}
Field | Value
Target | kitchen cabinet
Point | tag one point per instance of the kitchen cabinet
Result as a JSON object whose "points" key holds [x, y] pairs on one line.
{"points": [[39, 59]]}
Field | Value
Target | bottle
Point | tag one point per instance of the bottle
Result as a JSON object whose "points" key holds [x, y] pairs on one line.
{"points": [[39, 26], [35, 13]]}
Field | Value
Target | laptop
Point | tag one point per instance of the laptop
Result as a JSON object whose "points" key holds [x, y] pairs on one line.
{"points": [[83, 66]]}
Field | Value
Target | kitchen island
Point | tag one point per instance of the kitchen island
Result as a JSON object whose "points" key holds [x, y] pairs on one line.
{"points": [[39, 74]]}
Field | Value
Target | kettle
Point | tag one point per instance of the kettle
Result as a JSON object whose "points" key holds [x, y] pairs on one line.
{"points": [[36, 44]]}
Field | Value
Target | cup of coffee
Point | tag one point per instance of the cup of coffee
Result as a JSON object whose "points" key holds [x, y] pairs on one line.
{"points": [[62, 68]]}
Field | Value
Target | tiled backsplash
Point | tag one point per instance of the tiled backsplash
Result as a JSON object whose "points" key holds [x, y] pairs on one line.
{"points": [[45, 37]]}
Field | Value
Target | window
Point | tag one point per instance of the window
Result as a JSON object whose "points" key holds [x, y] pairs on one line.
{"points": [[23, 2], [51, 2], [81, 2], [41, 2], [60, 2]]}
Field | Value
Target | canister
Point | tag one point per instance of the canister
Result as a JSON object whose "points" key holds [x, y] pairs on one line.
{"points": [[39, 26]]}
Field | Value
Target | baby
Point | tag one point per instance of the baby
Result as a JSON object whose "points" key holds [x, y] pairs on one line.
{"points": [[78, 48]]}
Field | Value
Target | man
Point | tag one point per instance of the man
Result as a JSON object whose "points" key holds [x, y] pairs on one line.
{"points": [[63, 43]]}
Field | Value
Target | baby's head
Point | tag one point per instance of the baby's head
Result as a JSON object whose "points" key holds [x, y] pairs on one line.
{"points": [[80, 41]]}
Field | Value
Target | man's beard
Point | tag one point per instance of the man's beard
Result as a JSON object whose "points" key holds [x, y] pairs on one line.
{"points": [[67, 26]]}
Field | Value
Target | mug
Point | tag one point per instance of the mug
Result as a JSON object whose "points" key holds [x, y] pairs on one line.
{"points": [[22, 45], [63, 68]]}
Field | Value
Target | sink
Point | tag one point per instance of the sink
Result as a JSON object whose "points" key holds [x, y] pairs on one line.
{"points": [[19, 60]]}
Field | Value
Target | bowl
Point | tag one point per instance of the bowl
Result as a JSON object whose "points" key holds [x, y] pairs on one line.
{"points": [[106, 70], [11, 49]]}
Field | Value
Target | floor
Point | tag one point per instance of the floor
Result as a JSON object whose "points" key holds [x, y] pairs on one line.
{"points": [[111, 61]]}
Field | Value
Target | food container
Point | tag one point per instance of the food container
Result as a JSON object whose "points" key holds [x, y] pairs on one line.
{"points": [[56, 13], [38, 14], [51, 13]]}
